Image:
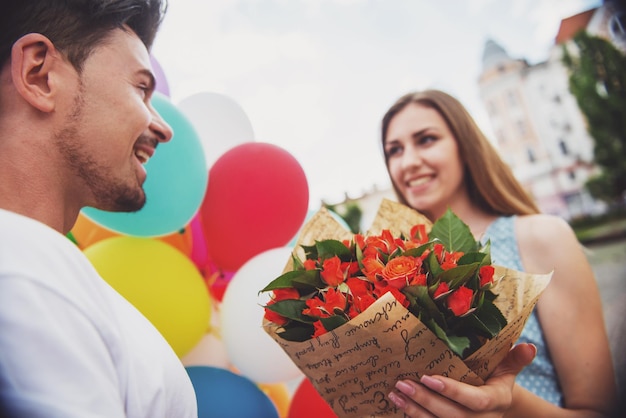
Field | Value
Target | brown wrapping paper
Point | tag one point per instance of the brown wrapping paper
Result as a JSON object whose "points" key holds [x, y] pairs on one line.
{"points": [[355, 366]]}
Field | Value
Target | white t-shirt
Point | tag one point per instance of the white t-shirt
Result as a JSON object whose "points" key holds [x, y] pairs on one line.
{"points": [[70, 345]]}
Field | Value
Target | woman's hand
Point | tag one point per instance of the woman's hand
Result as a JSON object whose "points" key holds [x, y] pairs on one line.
{"points": [[439, 396]]}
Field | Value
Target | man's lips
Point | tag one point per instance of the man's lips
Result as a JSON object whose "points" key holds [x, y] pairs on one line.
{"points": [[144, 149]]}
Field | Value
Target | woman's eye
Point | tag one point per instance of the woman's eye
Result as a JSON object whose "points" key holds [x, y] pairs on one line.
{"points": [[427, 139], [392, 150]]}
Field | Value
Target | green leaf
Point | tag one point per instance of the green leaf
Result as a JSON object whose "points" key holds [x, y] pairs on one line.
{"points": [[492, 310], [333, 322], [471, 258], [306, 280], [458, 344], [310, 251], [486, 249], [488, 320], [292, 309], [331, 247], [420, 300], [453, 233], [297, 333], [433, 265], [458, 275], [417, 252]]}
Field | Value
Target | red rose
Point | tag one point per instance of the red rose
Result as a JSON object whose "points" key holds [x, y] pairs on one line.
{"points": [[441, 289], [274, 316], [486, 275], [460, 301]]}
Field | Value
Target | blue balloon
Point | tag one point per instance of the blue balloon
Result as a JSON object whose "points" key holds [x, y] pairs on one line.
{"points": [[175, 186], [223, 394]]}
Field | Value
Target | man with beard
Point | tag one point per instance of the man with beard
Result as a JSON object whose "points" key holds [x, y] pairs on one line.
{"points": [[77, 128]]}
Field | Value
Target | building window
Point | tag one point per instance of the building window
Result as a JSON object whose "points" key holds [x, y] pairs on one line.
{"points": [[572, 175], [617, 26], [531, 155], [563, 147]]}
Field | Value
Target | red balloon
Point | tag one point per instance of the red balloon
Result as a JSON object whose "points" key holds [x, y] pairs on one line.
{"points": [[257, 198], [306, 402]]}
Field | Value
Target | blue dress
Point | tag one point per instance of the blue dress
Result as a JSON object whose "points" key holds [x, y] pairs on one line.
{"points": [[539, 377]]}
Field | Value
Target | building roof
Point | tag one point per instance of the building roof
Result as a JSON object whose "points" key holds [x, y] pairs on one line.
{"points": [[571, 25], [494, 54]]}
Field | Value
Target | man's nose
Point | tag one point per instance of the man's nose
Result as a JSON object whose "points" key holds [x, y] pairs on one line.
{"points": [[161, 129]]}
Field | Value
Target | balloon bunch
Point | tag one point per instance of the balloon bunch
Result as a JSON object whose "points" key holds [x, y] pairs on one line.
{"points": [[221, 214]]}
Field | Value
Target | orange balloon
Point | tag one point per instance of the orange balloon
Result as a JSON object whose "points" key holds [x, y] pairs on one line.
{"points": [[182, 240], [279, 395], [86, 232]]}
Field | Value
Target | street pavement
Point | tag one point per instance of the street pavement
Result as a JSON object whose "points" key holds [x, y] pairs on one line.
{"points": [[608, 261]]}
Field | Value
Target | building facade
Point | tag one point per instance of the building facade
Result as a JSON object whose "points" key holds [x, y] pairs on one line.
{"points": [[539, 129]]}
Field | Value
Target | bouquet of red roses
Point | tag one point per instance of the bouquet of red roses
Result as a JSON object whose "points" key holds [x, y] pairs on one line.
{"points": [[358, 312]]}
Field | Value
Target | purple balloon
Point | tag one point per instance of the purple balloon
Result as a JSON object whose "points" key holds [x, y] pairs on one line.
{"points": [[161, 81]]}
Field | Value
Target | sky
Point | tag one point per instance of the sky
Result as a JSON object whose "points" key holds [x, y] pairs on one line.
{"points": [[315, 77]]}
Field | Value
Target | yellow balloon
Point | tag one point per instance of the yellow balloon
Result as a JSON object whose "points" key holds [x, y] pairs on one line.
{"points": [[161, 282]]}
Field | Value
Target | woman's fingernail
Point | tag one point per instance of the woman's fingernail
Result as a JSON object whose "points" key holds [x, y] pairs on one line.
{"points": [[432, 383], [397, 400], [405, 388]]}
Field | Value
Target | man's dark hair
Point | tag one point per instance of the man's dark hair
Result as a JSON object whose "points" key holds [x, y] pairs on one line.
{"points": [[76, 27]]}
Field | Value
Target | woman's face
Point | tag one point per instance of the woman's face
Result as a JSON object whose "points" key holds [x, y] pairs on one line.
{"points": [[423, 160]]}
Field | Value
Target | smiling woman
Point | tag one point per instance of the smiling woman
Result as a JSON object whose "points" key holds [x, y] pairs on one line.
{"points": [[437, 158]]}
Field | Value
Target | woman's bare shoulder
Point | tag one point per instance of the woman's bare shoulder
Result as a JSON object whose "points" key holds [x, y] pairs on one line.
{"points": [[543, 241]]}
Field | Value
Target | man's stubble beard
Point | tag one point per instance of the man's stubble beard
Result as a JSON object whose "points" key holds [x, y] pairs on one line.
{"points": [[109, 195]]}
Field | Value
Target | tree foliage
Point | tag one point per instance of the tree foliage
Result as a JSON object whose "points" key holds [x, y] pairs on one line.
{"points": [[598, 81], [349, 212]]}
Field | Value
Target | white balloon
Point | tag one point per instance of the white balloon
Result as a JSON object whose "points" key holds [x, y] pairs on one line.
{"points": [[220, 122], [210, 350], [250, 349]]}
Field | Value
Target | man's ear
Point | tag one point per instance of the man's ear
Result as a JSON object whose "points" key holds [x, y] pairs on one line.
{"points": [[32, 60]]}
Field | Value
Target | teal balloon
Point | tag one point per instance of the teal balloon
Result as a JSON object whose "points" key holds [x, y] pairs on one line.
{"points": [[175, 185]]}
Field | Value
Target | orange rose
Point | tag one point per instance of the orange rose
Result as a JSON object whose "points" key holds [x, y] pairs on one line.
{"points": [[331, 271], [400, 271], [372, 266], [310, 264]]}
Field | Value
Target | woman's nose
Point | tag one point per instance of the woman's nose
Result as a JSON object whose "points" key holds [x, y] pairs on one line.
{"points": [[411, 158]]}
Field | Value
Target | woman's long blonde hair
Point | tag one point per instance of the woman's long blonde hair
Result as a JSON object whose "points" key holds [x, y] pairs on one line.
{"points": [[489, 181]]}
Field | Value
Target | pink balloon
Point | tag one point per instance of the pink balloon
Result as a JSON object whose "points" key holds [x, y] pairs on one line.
{"points": [[199, 254], [257, 198]]}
